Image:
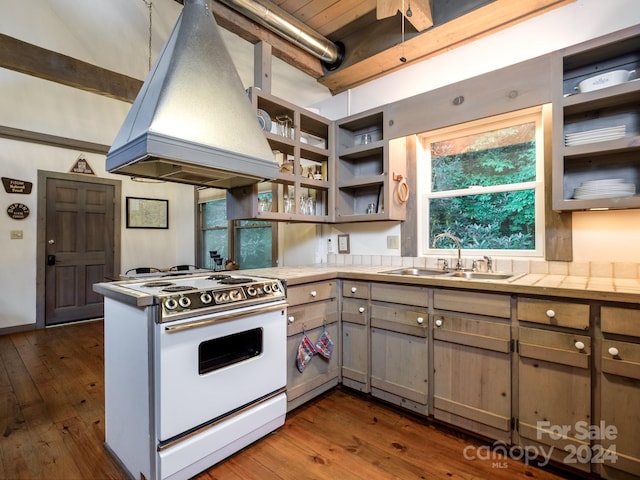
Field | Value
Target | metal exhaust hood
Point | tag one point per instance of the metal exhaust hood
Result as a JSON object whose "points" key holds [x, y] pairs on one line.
{"points": [[192, 121]]}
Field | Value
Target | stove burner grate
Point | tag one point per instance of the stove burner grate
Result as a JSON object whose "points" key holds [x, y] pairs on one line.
{"points": [[235, 280], [157, 284], [219, 277], [178, 288]]}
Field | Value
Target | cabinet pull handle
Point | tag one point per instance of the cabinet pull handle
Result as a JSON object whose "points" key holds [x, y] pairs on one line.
{"points": [[291, 319], [420, 320], [551, 313], [579, 345], [313, 293], [438, 323], [613, 351], [361, 309], [354, 289]]}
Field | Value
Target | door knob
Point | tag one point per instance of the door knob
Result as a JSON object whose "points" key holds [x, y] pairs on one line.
{"points": [[51, 242]]}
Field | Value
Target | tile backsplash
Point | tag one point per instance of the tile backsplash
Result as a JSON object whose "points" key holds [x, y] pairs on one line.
{"points": [[500, 264]]}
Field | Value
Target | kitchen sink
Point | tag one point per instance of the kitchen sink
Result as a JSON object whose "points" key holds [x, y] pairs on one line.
{"points": [[417, 272], [480, 275], [463, 274]]}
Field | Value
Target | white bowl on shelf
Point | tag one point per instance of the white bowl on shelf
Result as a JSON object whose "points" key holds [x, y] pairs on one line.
{"points": [[604, 80]]}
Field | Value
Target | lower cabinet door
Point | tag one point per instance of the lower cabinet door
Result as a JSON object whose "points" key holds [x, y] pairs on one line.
{"points": [[320, 373], [472, 375], [554, 395], [399, 369]]}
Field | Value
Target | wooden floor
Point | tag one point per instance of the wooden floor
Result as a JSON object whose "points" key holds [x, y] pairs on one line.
{"points": [[52, 419]]}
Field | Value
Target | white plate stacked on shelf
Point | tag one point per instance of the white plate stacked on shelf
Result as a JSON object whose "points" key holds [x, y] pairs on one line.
{"points": [[597, 135], [607, 188]]}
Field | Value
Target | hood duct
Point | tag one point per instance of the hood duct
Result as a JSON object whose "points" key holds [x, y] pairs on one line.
{"points": [[192, 121], [287, 26]]}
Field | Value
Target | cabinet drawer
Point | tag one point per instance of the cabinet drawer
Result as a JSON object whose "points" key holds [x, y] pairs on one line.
{"points": [[483, 334], [621, 358], [623, 321], [355, 311], [402, 294], [398, 319], [551, 312], [556, 347], [311, 292], [308, 317], [491, 304], [351, 289]]}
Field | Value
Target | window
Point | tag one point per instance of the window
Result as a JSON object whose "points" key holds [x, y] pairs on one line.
{"points": [[250, 243], [483, 183]]}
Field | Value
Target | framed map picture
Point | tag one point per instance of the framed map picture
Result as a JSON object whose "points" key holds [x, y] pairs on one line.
{"points": [[147, 213]]}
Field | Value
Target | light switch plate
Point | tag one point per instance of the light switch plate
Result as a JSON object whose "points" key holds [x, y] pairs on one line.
{"points": [[15, 234], [393, 242]]}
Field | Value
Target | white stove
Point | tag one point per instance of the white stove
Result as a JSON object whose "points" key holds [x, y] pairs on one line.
{"points": [[186, 295], [195, 369]]}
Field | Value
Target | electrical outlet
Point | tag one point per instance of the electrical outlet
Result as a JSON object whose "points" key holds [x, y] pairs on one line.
{"points": [[15, 234], [393, 242]]}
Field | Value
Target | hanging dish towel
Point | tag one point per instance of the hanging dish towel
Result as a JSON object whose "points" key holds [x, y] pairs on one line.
{"points": [[324, 345], [306, 351]]}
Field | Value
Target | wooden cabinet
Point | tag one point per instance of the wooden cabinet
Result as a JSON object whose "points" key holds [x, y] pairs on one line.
{"points": [[312, 308], [302, 143], [472, 361], [399, 345], [597, 133], [355, 335], [554, 378], [370, 176], [620, 393]]}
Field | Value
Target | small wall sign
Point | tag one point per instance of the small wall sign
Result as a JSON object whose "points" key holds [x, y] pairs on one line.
{"points": [[18, 211], [12, 185], [82, 166]]}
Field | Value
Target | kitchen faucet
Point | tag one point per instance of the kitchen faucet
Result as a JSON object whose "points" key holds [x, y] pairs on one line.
{"points": [[456, 240]]}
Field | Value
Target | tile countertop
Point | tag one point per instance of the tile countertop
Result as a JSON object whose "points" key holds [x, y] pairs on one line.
{"points": [[626, 290]]}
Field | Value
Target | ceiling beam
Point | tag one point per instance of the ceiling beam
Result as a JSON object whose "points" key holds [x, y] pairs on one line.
{"points": [[493, 17], [39, 62]]}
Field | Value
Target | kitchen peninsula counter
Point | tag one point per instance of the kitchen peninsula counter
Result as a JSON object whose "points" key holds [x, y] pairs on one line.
{"points": [[624, 290]]}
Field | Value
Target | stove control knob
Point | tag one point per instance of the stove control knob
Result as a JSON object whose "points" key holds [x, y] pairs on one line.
{"points": [[252, 291], [275, 287], [170, 304], [235, 295], [184, 302], [206, 298], [267, 288]]}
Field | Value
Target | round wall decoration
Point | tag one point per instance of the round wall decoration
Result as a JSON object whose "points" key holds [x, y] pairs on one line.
{"points": [[18, 211]]}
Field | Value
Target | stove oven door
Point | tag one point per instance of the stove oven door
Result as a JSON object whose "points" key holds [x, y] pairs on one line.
{"points": [[210, 366]]}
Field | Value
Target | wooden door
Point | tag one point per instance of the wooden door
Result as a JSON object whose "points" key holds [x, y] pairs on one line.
{"points": [[79, 247]]}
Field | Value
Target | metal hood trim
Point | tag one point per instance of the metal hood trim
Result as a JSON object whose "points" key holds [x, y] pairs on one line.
{"points": [[192, 121]]}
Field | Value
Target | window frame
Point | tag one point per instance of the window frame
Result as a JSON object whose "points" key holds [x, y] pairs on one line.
{"points": [[495, 122]]}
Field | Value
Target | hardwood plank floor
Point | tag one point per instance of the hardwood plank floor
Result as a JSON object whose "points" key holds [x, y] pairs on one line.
{"points": [[52, 419]]}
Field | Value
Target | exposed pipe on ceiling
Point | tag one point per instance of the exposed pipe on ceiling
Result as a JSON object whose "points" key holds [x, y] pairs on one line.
{"points": [[287, 26]]}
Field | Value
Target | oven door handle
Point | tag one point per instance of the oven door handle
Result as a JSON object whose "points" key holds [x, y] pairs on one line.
{"points": [[224, 318]]}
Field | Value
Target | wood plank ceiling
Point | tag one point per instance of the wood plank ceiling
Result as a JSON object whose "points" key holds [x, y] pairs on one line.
{"points": [[371, 31]]}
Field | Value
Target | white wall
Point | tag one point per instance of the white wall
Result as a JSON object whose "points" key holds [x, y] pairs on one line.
{"points": [[569, 25]]}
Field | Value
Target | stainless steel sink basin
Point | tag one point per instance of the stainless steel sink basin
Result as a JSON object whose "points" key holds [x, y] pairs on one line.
{"points": [[417, 272], [480, 275]]}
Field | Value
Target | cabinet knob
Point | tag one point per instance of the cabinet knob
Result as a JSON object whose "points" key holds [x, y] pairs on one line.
{"points": [[354, 289], [420, 320], [313, 293], [438, 323], [551, 313], [361, 309], [579, 345], [613, 351], [291, 319]]}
